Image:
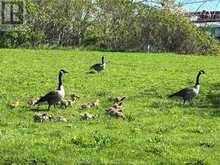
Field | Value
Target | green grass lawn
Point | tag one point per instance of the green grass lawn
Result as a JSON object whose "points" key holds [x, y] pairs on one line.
{"points": [[156, 130]]}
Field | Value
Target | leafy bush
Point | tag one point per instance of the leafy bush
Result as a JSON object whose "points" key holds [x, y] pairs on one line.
{"points": [[117, 25]]}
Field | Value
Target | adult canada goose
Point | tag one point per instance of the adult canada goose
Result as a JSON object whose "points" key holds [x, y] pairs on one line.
{"points": [[187, 94], [56, 96], [99, 67]]}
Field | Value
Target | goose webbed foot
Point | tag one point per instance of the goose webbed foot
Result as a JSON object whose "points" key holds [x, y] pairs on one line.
{"points": [[184, 101]]}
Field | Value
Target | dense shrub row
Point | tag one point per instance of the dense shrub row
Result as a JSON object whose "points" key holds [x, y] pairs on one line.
{"points": [[117, 25]]}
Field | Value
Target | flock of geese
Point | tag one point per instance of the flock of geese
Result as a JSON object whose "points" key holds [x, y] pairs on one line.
{"points": [[56, 96]]}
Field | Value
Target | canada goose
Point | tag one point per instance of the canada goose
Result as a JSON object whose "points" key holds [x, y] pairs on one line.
{"points": [[191, 92], [116, 110], [86, 116], [66, 103], [40, 117], [96, 103], [14, 104], [59, 118], [56, 96], [90, 104], [99, 67], [32, 101], [74, 97], [116, 113]]}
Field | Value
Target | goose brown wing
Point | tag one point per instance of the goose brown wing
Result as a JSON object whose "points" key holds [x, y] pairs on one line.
{"points": [[49, 96], [183, 93], [95, 66]]}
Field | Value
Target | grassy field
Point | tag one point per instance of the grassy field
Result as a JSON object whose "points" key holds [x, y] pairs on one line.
{"points": [[156, 130]]}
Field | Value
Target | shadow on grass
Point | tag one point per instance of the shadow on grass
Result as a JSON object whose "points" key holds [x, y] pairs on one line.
{"points": [[91, 72], [161, 102], [37, 109], [213, 100], [152, 93], [210, 102], [196, 162], [215, 86], [161, 105], [207, 103]]}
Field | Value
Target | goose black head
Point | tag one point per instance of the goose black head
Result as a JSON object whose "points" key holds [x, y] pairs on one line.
{"points": [[62, 71], [201, 71]]}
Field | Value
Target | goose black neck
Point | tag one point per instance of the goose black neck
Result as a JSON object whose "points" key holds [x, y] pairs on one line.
{"points": [[103, 61], [60, 81], [197, 78]]}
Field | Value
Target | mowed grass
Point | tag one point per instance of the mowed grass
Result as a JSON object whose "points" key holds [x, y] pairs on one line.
{"points": [[156, 130]]}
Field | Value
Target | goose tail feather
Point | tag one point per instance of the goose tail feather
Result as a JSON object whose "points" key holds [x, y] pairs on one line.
{"points": [[42, 99], [172, 95]]}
